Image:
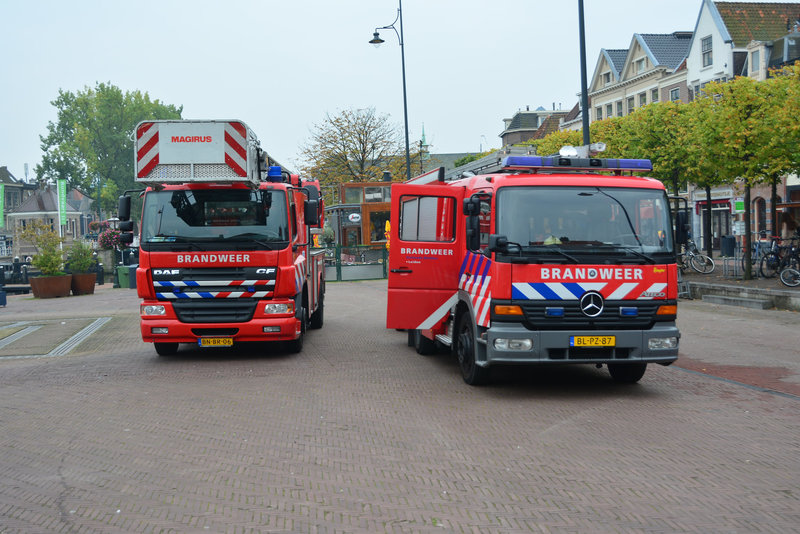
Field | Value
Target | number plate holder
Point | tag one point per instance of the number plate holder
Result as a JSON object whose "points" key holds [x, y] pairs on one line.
{"points": [[215, 341], [592, 341]]}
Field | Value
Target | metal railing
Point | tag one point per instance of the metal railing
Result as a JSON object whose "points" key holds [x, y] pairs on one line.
{"points": [[355, 262]]}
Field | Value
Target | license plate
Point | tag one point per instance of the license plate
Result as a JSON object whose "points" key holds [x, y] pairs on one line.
{"points": [[592, 341], [215, 341]]}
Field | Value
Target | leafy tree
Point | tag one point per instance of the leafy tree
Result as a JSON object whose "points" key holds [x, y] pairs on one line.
{"points": [[736, 126], [48, 258], [783, 92], [357, 145], [90, 144], [658, 132], [469, 158], [552, 143]]}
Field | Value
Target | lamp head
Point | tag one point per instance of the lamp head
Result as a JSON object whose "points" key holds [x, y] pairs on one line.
{"points": [[376, 39]]}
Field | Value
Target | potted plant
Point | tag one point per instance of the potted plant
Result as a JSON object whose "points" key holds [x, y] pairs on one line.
{"points": [[53, 282], [81, 260]]}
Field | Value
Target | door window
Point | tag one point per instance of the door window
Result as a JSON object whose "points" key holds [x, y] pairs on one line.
{"points": [[427, 218]]}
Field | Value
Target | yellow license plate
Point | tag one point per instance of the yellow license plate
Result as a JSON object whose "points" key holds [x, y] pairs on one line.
{"points": [[592, 341], [215, 341]]}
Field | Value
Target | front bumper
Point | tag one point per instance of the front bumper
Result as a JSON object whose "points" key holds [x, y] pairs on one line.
{"points": [[554, 346], [261, 327]]}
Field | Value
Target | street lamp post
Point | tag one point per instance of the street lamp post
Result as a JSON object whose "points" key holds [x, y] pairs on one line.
{"points": [[376, 40]]}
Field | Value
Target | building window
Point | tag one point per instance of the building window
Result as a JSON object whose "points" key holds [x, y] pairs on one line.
{"points": [[353, 195], [619, 108], [761, 214], [755, 62], [631, 105], [640, 65], [642, 99], [598, 113], [674, 95], [609, 110], [707, 51], [654, 95], [606, 78]]}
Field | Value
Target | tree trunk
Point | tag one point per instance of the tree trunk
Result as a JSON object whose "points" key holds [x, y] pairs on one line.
{"points": [[748, 268], [707, 223], [774, 208]]}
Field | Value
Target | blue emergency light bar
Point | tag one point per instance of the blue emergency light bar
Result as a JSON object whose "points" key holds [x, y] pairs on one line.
{"points": [[561, 162], [274, 174]]}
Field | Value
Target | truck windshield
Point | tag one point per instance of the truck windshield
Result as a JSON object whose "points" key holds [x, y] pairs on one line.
{"points": [[229, 218], [570, 223]]}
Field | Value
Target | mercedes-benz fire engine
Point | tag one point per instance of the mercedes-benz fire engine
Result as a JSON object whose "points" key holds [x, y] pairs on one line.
{"points": [[542, 260], [225, 239]]}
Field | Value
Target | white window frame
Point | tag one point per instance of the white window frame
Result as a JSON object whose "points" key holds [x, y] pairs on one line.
{"points": [[707, 51]]}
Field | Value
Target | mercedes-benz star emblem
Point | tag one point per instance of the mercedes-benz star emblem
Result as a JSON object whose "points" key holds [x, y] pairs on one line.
{"points": [[592, 304]]}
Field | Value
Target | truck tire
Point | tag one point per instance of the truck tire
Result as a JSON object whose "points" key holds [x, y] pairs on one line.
{"points": [[296, 345], [166, 349], [471, 372], [318, 317], [422, 344], [627, 373]]}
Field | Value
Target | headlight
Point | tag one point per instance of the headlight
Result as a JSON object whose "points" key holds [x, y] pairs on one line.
{"points": [[655, 343], [272, 308], [513, 344], [153, 309]]}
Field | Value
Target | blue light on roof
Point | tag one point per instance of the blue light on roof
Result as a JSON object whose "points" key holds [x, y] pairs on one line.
{"points": [[274, 174], [558, 162]]}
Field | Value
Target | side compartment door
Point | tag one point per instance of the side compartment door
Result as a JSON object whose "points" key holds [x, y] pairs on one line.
{"points": [[425, 253]]}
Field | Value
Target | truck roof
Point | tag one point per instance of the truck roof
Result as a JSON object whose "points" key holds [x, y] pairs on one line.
{"points": [[585, 179]]}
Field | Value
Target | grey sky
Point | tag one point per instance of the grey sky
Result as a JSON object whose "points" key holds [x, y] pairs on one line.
{"points": [[282, 65]]}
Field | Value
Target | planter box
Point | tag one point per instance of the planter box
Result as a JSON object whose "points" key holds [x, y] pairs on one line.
{"points": [[83, 283], [47, 287]]}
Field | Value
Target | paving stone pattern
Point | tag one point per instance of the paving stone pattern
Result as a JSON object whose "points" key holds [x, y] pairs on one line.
{"points": [[358, 433]]}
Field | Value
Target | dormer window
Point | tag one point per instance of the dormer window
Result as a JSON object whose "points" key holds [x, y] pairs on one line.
{"points": [[606, 78], [641, 64]]}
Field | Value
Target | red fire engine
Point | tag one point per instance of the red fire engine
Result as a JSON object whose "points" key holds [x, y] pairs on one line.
{"points": [[225, 239], [541, 260]]}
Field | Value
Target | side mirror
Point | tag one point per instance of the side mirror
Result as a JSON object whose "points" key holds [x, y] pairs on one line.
{"points": [[124, 208], [472, 206], [311, 212], [681, 227], [498, 243]]}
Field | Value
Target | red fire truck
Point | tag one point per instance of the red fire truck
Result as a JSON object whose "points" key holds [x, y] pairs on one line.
{"points": [[540, 260], [225, 239]]}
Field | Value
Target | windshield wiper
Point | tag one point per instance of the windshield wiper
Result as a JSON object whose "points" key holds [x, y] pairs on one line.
{"points": [[545, 249], [610, 247], [628, 248], [252, 237]]}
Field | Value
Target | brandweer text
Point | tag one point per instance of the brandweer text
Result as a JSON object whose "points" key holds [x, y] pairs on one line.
{"points": [[427, 251], [213, 258], [590, 273]]}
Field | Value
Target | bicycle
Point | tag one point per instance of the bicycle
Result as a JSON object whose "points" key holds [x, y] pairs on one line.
{"points": [[780, 257], [790, 277], [757, 250], [692, 257]]}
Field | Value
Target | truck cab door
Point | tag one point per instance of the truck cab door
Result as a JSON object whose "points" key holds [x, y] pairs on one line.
{"points": [[425, 253]]}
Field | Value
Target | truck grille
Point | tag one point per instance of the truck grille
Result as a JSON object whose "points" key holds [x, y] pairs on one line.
{"points": [[214, 310], [574, 319]]}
